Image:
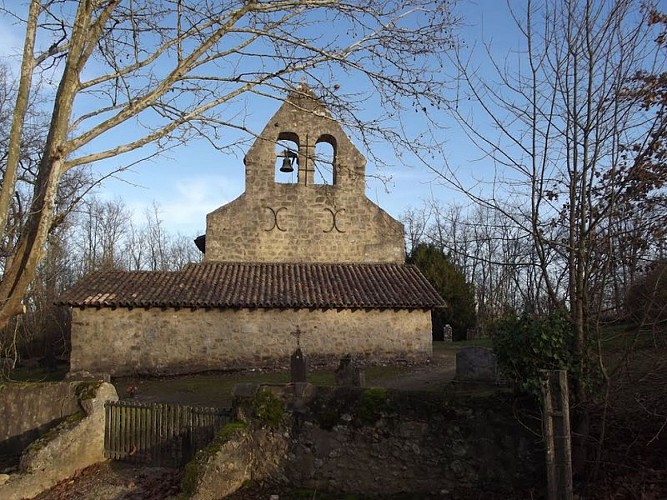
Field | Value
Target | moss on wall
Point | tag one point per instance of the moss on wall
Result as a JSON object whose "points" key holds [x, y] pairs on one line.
{"points": [[29, 409], [268, 409], [194, 468]]}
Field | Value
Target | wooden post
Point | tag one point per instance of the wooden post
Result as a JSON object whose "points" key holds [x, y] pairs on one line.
{"points": [[563, 439], [548, 436], [556, 431]]}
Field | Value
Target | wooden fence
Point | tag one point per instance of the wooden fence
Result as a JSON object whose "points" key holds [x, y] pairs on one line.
{"points": [[159, 434]]}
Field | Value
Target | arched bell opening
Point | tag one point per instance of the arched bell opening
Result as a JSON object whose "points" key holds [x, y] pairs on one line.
{"points": [[324, 163], [287, 158]]}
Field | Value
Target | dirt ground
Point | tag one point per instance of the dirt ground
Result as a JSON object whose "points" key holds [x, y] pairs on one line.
{"points": [[117, 481]]}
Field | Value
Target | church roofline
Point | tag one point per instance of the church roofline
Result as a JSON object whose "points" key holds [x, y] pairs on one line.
{"points": [[260, 285]]}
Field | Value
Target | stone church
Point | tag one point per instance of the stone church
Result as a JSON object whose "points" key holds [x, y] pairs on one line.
{"points": [[301, 256]]}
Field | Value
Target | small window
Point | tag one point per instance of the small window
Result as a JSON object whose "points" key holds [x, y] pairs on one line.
{"points": [[287, 158], [325, 161]]}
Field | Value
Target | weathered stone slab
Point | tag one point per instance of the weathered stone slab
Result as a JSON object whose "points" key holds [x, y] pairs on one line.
{"points": [[476, 364]]}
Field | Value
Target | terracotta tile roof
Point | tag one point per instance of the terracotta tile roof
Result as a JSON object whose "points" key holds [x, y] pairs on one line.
{"points": [[259, 285]]}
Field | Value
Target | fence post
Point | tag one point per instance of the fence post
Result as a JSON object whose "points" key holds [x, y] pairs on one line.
{"points": [[556, 431]]}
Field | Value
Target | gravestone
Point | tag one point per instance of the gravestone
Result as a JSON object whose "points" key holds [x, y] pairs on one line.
{"points": [[476, 364], [298, 368], [447, 333], [348, 374]]}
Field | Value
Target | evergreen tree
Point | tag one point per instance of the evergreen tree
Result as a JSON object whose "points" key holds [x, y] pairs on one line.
{"points": [[450, 283]]}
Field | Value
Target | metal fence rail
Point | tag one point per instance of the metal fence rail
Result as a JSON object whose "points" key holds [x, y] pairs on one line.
{"points": [[158, 433]]}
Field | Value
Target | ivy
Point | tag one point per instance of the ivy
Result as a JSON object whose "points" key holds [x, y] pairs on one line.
{"points": [[527, 344]]}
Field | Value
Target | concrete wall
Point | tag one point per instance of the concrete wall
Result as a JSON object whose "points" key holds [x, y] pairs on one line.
{"points": [[303, 221], [156, 341]]}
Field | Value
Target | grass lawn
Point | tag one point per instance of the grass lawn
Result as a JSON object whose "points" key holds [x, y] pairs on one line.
{"points": [[215, 389], [460, 344]]}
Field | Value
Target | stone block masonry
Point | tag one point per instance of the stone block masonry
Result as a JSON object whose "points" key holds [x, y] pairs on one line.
{"points": [[157, 341], [386, 443], [303, 221], [269, 242], [27, 410], [76, 443]]}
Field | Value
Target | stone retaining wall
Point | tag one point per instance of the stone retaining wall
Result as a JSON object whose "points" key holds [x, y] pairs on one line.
{"points": [[76, 443], [28, 409], [380, 443], [376, 442]]}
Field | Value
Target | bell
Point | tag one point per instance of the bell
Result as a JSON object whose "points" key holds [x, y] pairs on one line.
{"points": [[287, 163]]}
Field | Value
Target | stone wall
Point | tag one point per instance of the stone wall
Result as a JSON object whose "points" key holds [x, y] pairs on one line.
{"points": [[383, 443], [247, 454], [375, 442], [29, 409], [172, 341], [293, 223], [76, 443], [303, 221]]}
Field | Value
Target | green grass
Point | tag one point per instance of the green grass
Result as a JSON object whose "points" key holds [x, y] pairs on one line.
{"points": [[460, 344], [216, 389], [620, 337]]}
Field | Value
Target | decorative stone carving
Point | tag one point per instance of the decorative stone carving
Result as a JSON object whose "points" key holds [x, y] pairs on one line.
{"points": [[275, 224], [334, 221]]}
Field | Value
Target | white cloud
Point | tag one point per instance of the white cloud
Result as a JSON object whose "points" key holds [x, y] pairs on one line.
{"points": [[183, 207]]}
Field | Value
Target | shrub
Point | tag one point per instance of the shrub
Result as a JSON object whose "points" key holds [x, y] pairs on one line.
{"points": [[373, 402], [450, 283], [527, 344]]}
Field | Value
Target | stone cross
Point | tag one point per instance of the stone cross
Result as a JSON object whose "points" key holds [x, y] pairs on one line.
{"points": [[297, 334]]}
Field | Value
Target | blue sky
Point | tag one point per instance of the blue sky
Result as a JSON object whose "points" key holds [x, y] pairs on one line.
{"points": [[193, 180]]}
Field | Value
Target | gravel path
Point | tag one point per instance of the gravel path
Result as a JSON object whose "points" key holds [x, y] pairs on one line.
{"points": [[432, 377]]}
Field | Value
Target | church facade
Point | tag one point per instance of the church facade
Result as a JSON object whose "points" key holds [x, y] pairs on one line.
{"points": [[302, 256]]}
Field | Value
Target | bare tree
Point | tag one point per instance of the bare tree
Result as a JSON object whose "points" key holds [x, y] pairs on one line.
{"points": [[163, 72], [555, 121], [105, 234], [493, 253], [99, 232]]}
